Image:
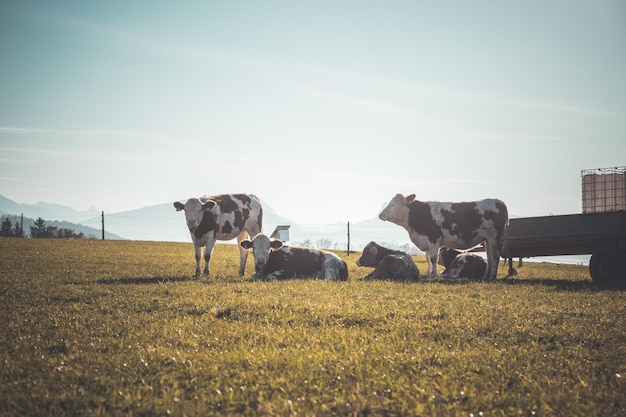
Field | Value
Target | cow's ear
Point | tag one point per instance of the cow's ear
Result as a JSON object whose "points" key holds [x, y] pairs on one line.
{"points": [[179, 206], [410, 198], [208, 205], [276, 244], [246, 244], [373, 250]]}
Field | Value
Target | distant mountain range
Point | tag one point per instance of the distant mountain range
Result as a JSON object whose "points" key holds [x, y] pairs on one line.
{"points": [[163, 223], [46, 211]]}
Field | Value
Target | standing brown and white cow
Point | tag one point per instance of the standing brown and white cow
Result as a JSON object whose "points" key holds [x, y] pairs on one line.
{"points": [[433, 224], [221, 217]]}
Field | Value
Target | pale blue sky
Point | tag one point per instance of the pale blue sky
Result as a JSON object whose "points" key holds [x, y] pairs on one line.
{"points": [[324, 109]]}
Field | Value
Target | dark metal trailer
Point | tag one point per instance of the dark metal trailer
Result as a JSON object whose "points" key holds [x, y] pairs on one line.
{"points": [[602, 235], [600, 231]]}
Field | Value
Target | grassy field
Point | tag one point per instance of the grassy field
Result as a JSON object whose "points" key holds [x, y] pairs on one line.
{"points": [[121, 328]]}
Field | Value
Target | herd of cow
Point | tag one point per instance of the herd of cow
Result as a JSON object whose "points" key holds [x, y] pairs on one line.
{"points": [[443, 231]]}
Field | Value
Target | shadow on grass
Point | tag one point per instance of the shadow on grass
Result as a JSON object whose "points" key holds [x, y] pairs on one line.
{"points": [[556, 284], [141, 280]]}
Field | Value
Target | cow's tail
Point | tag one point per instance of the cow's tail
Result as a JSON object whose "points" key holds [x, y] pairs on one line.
{"points": [[505, 251], [503, 242]]}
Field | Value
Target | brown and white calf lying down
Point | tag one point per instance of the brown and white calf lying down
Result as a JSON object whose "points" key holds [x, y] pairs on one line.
{"points": [[390, 264], [461, 264], [273, 260]]}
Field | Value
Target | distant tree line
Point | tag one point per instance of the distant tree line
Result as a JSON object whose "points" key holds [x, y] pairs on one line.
{"points": [[8, 230], [39, 229]]}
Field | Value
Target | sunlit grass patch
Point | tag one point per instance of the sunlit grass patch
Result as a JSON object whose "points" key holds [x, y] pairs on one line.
{"points": [[123, 328]]}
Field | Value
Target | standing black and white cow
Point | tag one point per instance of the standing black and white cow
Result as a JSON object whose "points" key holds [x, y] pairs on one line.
{"points": [[389, 264], [221, 217], [273, 260], [433, 224]]}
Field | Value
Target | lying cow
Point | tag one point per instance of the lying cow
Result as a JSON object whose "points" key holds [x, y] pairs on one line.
{"points": [[461, 264], [221, 217], [273, 260], [446, 257], [434, 224], [468, 265], [389, 264]]}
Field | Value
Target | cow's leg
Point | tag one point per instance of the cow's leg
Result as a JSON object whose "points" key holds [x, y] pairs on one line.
{"points": [[198, 250], [429, 270], [371, 275], [432, 254], [495, 260], [243, 253], [432, 265], [207, 254], [489, 265], [493, 257], [274, 275]]}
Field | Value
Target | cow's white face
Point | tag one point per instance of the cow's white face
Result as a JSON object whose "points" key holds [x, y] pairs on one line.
{"points": [[261, 247], [397, 210], [194, 211]]}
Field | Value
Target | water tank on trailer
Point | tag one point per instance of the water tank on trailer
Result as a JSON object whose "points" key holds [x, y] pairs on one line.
{"points": [[604, 189]]}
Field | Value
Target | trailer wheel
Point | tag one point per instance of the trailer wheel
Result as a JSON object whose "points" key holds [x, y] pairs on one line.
{"points": [[606, 267]]}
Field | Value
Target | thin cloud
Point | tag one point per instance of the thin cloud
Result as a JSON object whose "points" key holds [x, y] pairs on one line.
{"points": [[54, 154], [23, 130], [465, 181], [510, 137], [144, 136], [549, 106], [54, 157], [345, 98], [445, 93], [123, 37], [50, 131], [150, 43], [18, 180], [15, 161]]}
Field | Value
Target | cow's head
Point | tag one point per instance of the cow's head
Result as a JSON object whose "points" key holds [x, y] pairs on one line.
{"points": [[447, 255], [368, 257], [261, 247], [194, 211], [397, 210]]}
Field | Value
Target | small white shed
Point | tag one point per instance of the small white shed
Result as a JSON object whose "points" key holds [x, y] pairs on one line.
{"points": [[281, 233]]}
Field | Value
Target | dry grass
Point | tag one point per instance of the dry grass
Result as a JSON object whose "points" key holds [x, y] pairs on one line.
{"points": [[121, 328]]}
